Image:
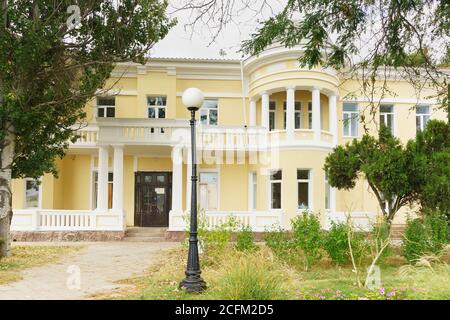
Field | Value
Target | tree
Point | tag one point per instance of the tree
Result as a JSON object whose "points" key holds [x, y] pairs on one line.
{"points": [[54, 57], [369, 39], [384, 164]]}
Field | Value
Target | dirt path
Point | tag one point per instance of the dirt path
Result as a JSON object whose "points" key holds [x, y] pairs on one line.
{"points": [[91, 270]]}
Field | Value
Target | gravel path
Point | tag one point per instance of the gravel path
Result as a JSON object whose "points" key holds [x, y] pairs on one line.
{"points": [[91, 270]]}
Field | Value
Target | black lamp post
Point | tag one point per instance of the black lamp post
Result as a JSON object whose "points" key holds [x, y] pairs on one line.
{"points": [[193, 100]]}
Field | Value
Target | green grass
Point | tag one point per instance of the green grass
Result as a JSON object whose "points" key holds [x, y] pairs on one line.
{"points": [[24, 257], [261, 275]]}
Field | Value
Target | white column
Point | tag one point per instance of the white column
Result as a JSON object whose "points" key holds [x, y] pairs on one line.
{"points": [[118, 178], [333, 117], [177, 180], [188, 180], [265, 110], [316, 113], [252, 112], [290, 112], [102, 182]]}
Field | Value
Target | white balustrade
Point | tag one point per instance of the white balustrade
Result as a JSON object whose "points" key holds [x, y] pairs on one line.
{"points": [[361, 221]]}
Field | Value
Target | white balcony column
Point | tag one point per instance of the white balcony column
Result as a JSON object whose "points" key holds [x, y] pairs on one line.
{"points": [[290, 112], [118, 178], [265, 110], [252, 112], [316, 113], [333, 116], [102, 180], [177, 180]]}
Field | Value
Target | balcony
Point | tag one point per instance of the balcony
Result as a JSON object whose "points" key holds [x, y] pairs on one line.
{"points": [[172, 132]]}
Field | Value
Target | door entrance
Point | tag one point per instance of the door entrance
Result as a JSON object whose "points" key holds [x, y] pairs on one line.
{"points": [[152, 199]]}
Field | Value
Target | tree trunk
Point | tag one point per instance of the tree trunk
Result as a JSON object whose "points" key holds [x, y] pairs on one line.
{"points": [[7, 153]]}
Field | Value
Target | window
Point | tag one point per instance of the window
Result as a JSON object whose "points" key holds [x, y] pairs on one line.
{"points": [[327, 194], [303, 189], [272, 110], [387, 116], [422, 117], [275, 189], [209, 112], [106, 107], [32, 190], [253, 190], [297, 115], [110, 189], [309, 115], [208, 187], [156, 107], [350, 119]]}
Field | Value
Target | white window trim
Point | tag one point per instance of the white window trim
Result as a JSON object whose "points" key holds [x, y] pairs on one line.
{"points": [[97, 106], [332, 196], [251, 191], [422, 115], [394, 120], [357, 120], [93, 170], [39, 194], [269, 190], [156, 107], [295, 111], [310, 190], [309, 112], [208, 116], [274, 111], [214, 170]]}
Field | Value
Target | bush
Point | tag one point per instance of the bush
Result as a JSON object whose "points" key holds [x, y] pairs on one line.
{"points": [[336, 243], [245, 240], [250, 277], [307, 236], [278, 240], [427, 235]]}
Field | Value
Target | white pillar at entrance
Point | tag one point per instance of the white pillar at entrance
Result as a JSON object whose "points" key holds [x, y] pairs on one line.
{"points": [[177, 180], [290, 112], [102, 182], [252, 113], [316, 113], [118, 178], [265, 110], [333, 117], [188, 180]]}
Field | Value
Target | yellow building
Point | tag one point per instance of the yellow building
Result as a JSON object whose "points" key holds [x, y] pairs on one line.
{"points": [[263, 134]]}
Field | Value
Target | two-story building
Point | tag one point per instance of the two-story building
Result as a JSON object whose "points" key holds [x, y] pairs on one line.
{"points": [[263, 133]]}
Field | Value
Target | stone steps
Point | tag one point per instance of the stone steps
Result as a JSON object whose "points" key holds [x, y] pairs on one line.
{"points": [[138, 234]]}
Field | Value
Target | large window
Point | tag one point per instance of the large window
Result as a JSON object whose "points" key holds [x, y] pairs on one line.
{"points": [[31, 193], [350, 119], [209, 112], [422, 117], [106, 107], [156, 107], [208, 187], [297, 115], [387, 116], [110, 189], [310, 115], [272, 112], [303, 189], [275, 189], [253, 191]]}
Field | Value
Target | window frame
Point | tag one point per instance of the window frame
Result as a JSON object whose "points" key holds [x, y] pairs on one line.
{"points": [[157, 107], [420, 116], [95, 188], [275, 181], [353, 116], [297, 112], [384, 116], [25, 202], [105, 107], [208, 113], [309, 181], [217, 173], [272, 115], [310, 116]]}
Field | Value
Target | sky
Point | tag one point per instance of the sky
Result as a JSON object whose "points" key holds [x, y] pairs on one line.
{"points": [[182, 42]]}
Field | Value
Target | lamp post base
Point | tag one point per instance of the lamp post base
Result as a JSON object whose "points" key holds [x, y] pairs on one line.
{"points": [[193, 284]]}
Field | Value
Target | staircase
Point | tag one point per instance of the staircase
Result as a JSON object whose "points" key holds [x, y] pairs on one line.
{"points": [[140, 234]]}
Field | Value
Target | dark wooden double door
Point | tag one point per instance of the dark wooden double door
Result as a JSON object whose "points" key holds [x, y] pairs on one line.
{"points": [[153, 199]]}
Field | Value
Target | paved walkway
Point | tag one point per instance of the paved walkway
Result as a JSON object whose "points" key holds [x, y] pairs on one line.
{"points": [[91, 270]]}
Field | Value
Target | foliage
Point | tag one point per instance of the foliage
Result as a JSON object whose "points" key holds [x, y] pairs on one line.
{"points": [[307, 236], [245, 240], [336, 243], [427, 235], [384, 164]]}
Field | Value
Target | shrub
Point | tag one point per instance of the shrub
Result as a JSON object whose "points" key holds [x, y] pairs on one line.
{"points": [[245, 239], [278, 240], [336, 243], [307, 236], [250, 277], [427, 235]]}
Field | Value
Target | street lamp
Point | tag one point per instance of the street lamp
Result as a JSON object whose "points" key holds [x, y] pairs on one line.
{"points": [[193, 100]]}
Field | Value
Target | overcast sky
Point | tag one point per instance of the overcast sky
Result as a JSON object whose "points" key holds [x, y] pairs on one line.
{"points": [[181, 42]]}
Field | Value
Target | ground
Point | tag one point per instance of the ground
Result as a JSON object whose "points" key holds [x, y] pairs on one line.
{"points": [[98, 264]]}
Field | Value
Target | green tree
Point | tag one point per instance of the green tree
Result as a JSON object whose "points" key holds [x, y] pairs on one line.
{"points": [[383, 162], [54, 55]]}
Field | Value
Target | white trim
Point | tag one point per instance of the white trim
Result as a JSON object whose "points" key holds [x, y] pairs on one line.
{"points": [[269, 190], [391, 100], [310, 189], [209, 170], [91, 179], [135, 163], [252, 205], [218, 95], [116, 92]]}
